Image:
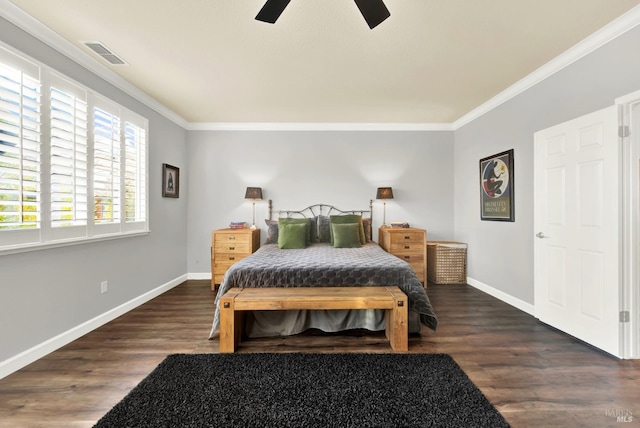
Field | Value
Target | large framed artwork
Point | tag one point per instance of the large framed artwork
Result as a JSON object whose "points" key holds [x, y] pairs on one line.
{"points": [[496, 187], [170, 181]]}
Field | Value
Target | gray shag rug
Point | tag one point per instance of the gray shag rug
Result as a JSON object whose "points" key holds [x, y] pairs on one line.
{"points": [[305, 390]]}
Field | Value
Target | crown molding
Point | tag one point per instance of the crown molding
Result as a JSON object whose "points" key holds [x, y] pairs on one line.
{"points": [[26, 22], [609, 32], [29, 24], [278, 126]]}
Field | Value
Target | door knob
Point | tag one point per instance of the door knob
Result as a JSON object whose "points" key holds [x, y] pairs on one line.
{"points": [[540, 235]]}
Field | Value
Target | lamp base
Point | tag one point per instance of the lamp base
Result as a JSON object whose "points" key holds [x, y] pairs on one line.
{"points": [[253, 227]]}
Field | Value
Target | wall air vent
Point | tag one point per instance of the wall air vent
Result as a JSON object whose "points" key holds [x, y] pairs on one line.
{"points": [[105, 53]]}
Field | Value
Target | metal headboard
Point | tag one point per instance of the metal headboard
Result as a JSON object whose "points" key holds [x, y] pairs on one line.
{"points": [[318, 209]]}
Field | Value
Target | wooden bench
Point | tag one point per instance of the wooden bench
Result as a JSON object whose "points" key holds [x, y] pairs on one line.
{"points": [[237, 300]]}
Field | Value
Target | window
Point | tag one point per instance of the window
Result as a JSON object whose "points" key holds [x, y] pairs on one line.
{"points": [[106, 167], [73, 164], [20, 151], [69, 156], [135, 182]]}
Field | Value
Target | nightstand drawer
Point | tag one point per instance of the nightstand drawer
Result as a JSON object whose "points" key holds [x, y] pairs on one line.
{"points": [[232, 247], [406, 247], [233, 237], [419, 270], [410, 257], [400, 238], [224, 261]]}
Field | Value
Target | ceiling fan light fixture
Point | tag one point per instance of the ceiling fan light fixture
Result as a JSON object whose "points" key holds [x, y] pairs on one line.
{"points": [[373, 11], [272, 10]]}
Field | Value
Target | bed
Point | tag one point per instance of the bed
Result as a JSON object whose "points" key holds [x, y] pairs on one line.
{"points": [[319, 262]]}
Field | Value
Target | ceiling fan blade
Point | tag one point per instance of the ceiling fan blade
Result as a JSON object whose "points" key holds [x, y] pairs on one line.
{"points": [[374, 11], [272, 10]]}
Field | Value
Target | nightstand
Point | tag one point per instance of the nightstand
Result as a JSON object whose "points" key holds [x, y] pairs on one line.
{"points": [[409, 244], [229, 246]]}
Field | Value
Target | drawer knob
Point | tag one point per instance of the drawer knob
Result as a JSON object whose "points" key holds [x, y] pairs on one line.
{"points": [[232, 248], [407, 257], [407, 237], [232, 238], [406, 247], [232, 258]]}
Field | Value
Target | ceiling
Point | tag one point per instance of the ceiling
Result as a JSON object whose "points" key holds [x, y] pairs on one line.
{"points": [[431, 62]]}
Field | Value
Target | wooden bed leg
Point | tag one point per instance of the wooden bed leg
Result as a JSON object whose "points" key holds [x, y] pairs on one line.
{"points": [[397, 323], [229, 331]]}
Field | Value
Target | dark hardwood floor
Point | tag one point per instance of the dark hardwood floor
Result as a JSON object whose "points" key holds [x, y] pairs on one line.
{"points": [[535, 375]]}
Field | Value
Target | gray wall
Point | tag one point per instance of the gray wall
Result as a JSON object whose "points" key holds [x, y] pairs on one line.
{"points": [[500, 253], [434, 176], [297, 169], [47, 292]]}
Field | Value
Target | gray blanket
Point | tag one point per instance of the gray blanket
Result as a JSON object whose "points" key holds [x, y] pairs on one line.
{"points": [[321, 265]]}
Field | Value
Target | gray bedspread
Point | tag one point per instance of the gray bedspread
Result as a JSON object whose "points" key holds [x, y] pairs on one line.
{"points": [[321, 265]]}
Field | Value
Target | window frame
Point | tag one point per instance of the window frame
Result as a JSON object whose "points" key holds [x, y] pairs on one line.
{"points": [[46, 235]]}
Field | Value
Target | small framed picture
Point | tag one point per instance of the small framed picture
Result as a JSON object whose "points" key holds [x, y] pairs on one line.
{"points": [[496, 187], [170, 181]]}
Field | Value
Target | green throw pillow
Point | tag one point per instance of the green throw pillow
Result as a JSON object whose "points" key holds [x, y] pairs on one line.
{"points": [[346, 235], [305, 221], [349, 218], [292, 236]]}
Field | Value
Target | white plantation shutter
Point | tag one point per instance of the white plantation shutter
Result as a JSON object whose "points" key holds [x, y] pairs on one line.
{"points": [[135, 184], [84, 177], [106, 167], [69, 157], [20, 170]]}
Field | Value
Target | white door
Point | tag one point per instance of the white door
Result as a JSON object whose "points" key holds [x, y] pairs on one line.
{"points": [[629, 112], [576, 222]]}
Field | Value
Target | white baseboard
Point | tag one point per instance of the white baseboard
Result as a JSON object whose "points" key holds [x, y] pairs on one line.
{"points": [[199, 275], [25, 358], [500, 295]]}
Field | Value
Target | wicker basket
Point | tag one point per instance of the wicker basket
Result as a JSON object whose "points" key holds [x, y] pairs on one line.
{"points": [[447, 262]]}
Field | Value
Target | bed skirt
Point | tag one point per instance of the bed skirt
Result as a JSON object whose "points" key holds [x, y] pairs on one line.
{"points": [[287, 323]]}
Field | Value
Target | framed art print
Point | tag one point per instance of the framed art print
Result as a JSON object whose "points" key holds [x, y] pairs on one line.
{"points": [[170, 181], [496, 187]]}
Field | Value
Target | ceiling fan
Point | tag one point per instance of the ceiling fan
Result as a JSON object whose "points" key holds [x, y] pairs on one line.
{"points": [[373, 11]]}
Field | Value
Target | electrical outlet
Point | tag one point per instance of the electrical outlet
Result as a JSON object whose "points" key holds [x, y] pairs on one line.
{"points": [[104, 287]]}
